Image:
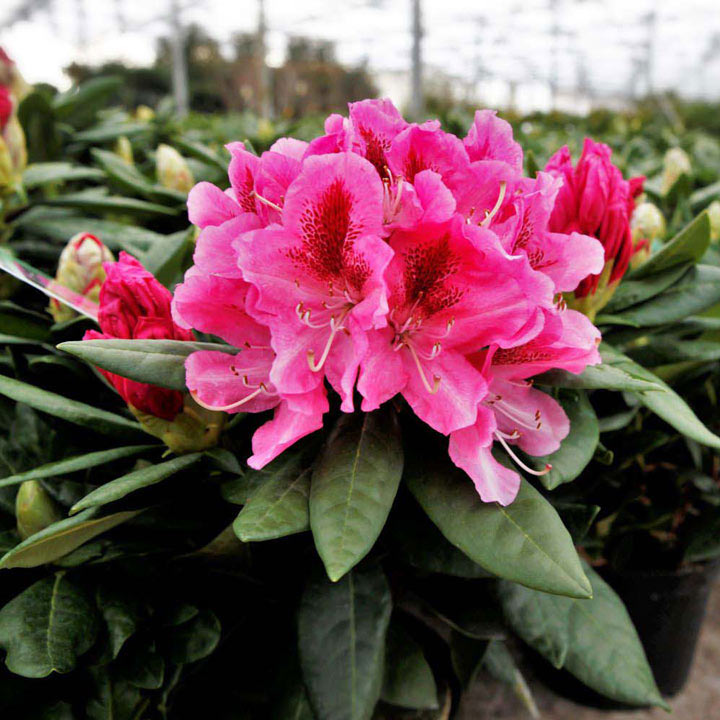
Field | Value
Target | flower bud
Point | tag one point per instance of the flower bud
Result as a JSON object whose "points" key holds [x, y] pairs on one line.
{"points": [[80, 269], [13, 152], [675, 164], [714, 215], [11, 77], [173, 171], [647, 223], [143, 113], [123, 149], [34, 509]]}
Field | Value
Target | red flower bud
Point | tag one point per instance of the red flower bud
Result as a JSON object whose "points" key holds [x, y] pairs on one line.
{"points": [[595, 200], [6, 106], [134, 305]]}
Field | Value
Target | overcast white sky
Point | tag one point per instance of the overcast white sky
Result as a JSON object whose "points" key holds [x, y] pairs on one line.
{"points": [[494, 40]]}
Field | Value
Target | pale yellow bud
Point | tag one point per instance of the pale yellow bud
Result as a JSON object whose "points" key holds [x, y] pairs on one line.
{"points": [[647, 223], [173, 171], [80, 269], [143, 113], [675, 164], [13, 154], [34, 509], [714, 215], [123, 149]]}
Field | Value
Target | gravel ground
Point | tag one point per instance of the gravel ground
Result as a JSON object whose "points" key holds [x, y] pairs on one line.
{"points": [[699, 701]]}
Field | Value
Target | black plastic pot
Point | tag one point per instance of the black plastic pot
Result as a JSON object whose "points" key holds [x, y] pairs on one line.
{"points": [[668, 609]]}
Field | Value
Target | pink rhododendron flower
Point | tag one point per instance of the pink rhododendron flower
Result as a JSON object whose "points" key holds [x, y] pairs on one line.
{"points": [[395, 259], [595, 200], [134, 305]]}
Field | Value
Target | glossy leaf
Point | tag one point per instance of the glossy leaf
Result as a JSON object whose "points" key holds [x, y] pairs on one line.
{"points": [[58, 172], [353, 487], [46, 628], [61, 538], [578, 448], [593, 639], [632, 292], [341, 631], [76, 463], [537, 550], [70, 410], [157, 362], [135, 480]]}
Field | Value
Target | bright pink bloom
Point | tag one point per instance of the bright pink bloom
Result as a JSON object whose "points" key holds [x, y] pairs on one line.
{"points": [[523, 228], [452, 290], [515, 413], [595, 200], [134, 305], [6, 106], [491, 138], [319, 275]]}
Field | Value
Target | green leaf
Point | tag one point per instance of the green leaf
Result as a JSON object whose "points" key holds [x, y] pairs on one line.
{"points": [[193, 640], [20, 322], [578, 448], [41, 132], [664, 401], [58, 172], [61, 538], [201, 152], [341, 634], [76, 463], [135, 480], [500, 664], [632, 292], [704, 541], [71, 410], [113, 698], [109, 203], [120, 614], [525, 542], [279, 506], [696, 291], [593, 639], [157, 362], [660, 351], [166, 259], [89, 95], [409, 681], [46, 628], [110, 131], [610, 375], [353, 487], [688, 246]]}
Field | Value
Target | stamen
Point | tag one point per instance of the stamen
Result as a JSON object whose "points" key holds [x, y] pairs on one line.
{"points": [[519, 462], [432, 389], [267, 202], [490, 215], [224, 408], [336, 326]]}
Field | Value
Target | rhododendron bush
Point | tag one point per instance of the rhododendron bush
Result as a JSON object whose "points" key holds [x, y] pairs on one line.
{"points": [[327, 439]]}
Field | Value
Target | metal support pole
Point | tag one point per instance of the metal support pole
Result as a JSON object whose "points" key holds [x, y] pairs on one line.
{"points": [[417, 104], [179, 62]]}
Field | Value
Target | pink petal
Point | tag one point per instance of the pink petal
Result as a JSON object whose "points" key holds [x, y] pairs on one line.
{"points": [[491, 138], [382, 374], [214, 248], [208, 205]]}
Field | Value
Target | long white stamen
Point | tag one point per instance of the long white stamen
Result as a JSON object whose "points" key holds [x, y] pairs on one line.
{"points": [[519, 462], [489, 216], [432, 389], [232, 406], [267, 202], [507, 410], [336, 326]]}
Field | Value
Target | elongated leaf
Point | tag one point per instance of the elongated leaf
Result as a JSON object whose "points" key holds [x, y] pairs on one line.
{"points": [[525, 542], [201, 152], [578, 448], [109, 203], [15, 320], [660, 351], [665, 402], [61, 538], [409, 681], [688, 246], [353, 488], [157, 362], [341, 633], [111, 131], [632, 292], [500, 664], [142, 478], [70, 410], [697, 290], [279, 507], [58, 172], [78, 462], [46, 628], [594, 639]]}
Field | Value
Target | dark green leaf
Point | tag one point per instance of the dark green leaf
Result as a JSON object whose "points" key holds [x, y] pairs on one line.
{"points": [[157, 362], [46, 628], [353, 487], [193, 640], [135, 480], [342, 628], [58, 172], [577, 449], [594, 639], [536, 548], [109, 203]]}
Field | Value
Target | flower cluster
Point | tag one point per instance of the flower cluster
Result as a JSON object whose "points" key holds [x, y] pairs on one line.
{"points": [[387, 258], [13, 153]]}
